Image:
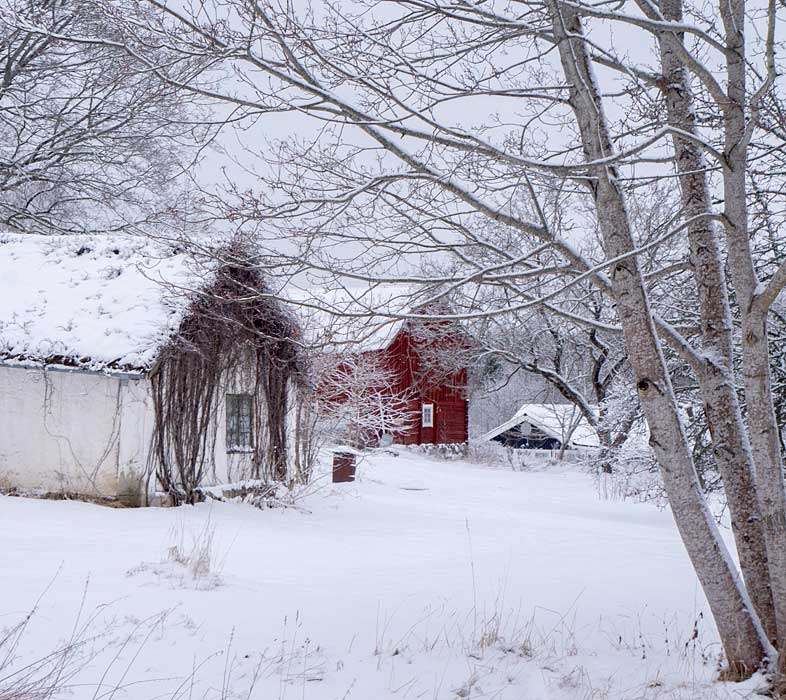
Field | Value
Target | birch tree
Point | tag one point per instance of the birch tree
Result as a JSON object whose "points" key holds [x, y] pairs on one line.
{"points": [[430, 119]]}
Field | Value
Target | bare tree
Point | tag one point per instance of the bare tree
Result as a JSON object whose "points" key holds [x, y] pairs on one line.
{"points": [[90, 140], [434, 118], [360, 399], [581, 363]]}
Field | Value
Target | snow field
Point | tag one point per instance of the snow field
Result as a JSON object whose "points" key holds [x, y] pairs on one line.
{"points": [[423, 579]]}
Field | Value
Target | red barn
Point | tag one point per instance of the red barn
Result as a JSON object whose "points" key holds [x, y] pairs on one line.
{"points": [[406, 379], [427, 363]]}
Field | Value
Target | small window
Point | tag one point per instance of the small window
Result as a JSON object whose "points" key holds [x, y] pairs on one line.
{"points": [[427, 415], [239, 414]]}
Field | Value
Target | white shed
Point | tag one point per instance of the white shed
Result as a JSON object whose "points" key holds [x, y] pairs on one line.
{"points": [[545, 426], [98, 335]]}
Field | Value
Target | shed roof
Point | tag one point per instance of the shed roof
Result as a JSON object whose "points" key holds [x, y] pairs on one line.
{"points": [[97, 301], [553, 419]]}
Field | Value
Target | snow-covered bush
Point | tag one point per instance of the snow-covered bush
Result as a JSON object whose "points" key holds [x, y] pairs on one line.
{"points": [[444, 450], [494, 454], [628, 470], [195, 553], [634, 474]]}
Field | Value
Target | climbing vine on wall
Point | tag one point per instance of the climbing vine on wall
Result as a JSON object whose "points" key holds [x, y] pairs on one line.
{"points": [[232, 328]]}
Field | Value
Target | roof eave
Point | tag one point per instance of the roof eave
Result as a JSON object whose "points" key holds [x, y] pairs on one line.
{"points": [[59, 363]]}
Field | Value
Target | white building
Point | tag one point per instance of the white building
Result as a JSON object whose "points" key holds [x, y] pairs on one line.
{"points": [[98, 334]]}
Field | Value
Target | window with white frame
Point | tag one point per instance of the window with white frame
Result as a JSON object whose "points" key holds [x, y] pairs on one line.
{"points": [[427, 415], [239, 420]]}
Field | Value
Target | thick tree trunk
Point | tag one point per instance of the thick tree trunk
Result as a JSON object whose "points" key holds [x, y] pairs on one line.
{"points": [[730, 443], [743, 639], [755, 352]]}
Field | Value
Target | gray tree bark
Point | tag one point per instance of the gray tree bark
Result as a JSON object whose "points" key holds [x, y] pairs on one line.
{"points": [[755, 352], [730, 443], [743, 638]]}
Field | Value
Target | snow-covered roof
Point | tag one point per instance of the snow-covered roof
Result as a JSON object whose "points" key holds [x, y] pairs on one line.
{"points": [[96, 301], [111, 301], [556, 420]]}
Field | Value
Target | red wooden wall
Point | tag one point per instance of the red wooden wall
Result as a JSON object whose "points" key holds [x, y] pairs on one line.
{"points": [[409, 356]]}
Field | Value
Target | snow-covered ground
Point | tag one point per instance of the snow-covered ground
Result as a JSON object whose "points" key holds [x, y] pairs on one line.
{"points": [[423, 579]]}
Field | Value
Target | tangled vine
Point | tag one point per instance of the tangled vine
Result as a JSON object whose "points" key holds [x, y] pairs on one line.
{"points": [[233, 331]]}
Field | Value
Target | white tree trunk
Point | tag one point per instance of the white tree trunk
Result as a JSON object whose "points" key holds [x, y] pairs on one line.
{"points": [[755, 352], [743, 638], [730, 443]]}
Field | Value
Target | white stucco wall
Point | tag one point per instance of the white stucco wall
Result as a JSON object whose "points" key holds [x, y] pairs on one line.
{"points": [[90, 433], [136, 425], [69, 431]]}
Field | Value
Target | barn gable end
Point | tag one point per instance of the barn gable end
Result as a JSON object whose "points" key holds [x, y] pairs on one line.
{"points": [[396, 339], [422, 365]]}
